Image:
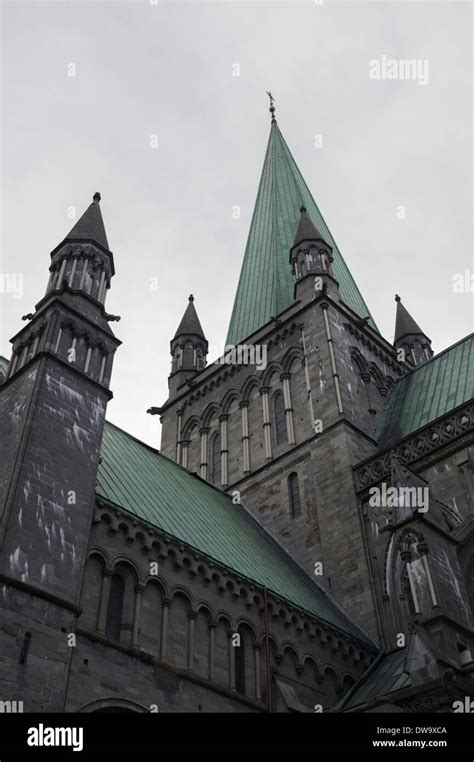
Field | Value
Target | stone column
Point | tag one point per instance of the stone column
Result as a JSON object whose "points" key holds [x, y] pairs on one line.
{"points": [[61, 273], [204, 435], [178, 436], [73, 272], [50, 281], [35, 345], [164, 627], [184, 453], [258, 689], [231, 664], [102, 368], [136, 613], [212, 648], [104, 600], [106, 288], [101, 286], [244, 409], [224, 450], [290, 429], [191, 619], [335, 374], [13, 365], [83, 274], [266, 423], [88, 359]]}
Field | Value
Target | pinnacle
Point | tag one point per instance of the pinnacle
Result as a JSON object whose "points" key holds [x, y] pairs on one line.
{"points": [[91, 225]]}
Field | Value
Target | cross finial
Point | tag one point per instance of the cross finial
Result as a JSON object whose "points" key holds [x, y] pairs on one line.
{"points": [[272, 107]]}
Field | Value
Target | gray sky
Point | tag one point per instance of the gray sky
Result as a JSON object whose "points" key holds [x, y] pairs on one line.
{"points": [[167, 69]]}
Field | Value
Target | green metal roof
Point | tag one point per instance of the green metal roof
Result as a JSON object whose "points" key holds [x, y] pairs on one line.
{"points": [[386, 675], [428, 392], [155, 489], [266, 284], [3, 367]]}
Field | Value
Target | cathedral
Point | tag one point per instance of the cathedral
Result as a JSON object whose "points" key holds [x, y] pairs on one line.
{"points": [[303, 541]]}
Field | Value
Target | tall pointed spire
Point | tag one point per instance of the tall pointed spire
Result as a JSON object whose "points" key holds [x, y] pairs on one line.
{"points": [[90, 227], [266, 284], [410, 337]]}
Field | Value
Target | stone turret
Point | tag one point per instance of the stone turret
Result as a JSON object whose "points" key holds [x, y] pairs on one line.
{"points": [[189, 348], [409, 337]]}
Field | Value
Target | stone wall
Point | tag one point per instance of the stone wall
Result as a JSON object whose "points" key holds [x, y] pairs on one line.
{"points": [[193, 659]]}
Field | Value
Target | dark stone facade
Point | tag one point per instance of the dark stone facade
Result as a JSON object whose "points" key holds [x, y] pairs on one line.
{"points": [[89, 622]]}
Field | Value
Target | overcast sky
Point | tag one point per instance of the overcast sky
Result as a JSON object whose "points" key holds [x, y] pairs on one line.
{"points": [[167, 69]]}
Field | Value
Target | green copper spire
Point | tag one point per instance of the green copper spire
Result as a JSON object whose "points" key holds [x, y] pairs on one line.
{"points": [[266, 284]]}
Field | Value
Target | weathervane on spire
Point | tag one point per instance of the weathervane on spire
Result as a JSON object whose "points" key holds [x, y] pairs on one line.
{"points": [[272, 107]]}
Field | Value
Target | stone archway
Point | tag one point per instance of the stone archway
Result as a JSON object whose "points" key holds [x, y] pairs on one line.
{"points": [[114, 705]]}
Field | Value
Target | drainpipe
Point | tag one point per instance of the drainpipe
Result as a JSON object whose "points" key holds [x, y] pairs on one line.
{"points": [[267, 650]]}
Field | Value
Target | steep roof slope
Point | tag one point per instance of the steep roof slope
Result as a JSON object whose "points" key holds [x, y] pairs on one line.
{"points": [[266, 284], [90, 225], [429, 391], [3, 368], [155, 489]]}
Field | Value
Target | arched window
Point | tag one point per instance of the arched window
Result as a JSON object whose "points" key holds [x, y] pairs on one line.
{"points": [[216, 459], [240, 666], [115, 607], [294, 495], [280, 421]]}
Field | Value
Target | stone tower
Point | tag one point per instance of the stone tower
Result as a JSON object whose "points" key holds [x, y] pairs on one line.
{"points": [[285, 436], [52, 410], [188, 349]]}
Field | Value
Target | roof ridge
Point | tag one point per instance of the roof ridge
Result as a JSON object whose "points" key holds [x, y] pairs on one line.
{"points": [[132, 436], [436, 356]]}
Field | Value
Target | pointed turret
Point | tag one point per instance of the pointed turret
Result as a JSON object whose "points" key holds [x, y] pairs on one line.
{"points": [[190, 325], [311, 261], [266, 284], [306, 230], [80, 274], [90, 227], [409, 337], [83, 260], [189, 348]]}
